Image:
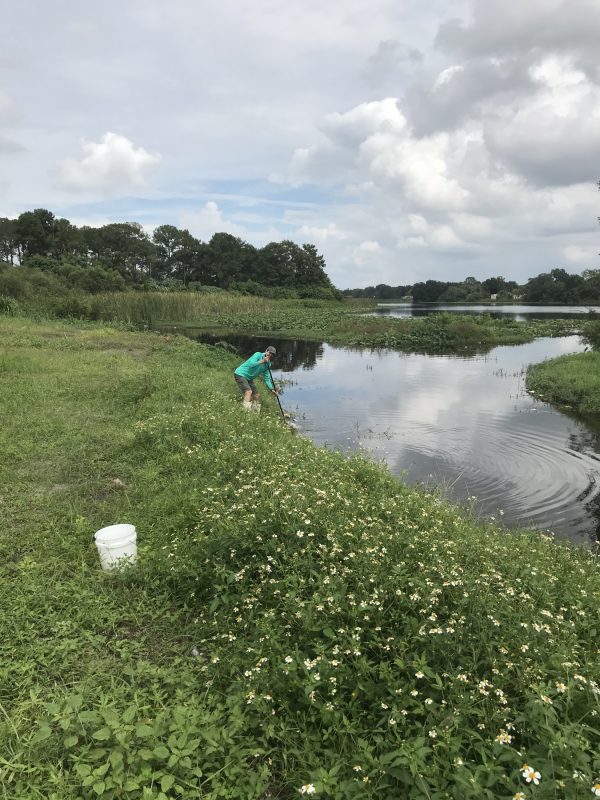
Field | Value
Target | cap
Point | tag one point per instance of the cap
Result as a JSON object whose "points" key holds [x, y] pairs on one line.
{"points": [[271, 349]]}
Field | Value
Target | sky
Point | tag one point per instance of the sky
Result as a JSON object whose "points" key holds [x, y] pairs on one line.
{"points": [[407, 140]]}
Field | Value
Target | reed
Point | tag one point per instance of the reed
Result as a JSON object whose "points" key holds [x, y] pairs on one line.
{"points": [[154, 308]]}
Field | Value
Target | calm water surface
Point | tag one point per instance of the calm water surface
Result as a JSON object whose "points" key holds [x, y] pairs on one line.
{"points": [[519, 313], [463, 424]]}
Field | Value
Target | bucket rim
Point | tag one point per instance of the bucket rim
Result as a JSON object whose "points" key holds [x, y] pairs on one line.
{"points": [[109, 532]]}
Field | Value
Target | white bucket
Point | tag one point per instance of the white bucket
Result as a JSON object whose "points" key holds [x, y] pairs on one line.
{"points": [[116, 546]]}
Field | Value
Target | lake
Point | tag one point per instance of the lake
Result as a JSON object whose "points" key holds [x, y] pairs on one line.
{"points": [[520, 313], [463, 424]]}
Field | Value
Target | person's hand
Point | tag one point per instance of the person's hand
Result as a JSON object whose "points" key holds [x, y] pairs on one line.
{"points": [[275, 392]]}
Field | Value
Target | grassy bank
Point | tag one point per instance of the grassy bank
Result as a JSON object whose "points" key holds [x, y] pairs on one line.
{"points": [[351, 636], [571, 380]]}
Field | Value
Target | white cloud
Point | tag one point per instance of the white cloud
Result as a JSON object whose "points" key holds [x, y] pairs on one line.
{"points": [[8, 119], [443, 237], [321, 234], [584, 256], [7, 109], [446, 76], [550, 135], [369, 247], [208, 221], [499, 28], [471, 190], [417, 167], [367, 253], [391, 60], [341, 134], [108, 166]]}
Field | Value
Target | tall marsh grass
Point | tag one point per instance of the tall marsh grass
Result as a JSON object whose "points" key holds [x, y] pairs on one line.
{"points": [[151, 308]]}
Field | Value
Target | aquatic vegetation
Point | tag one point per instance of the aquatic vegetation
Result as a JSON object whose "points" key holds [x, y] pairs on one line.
{"points": [[334, 322]]}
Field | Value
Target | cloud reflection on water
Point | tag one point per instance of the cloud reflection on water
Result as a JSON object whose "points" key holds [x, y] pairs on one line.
{"points": [[465, 424]]}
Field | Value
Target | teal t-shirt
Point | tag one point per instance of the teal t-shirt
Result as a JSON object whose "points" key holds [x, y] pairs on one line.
{"points": [[252, 369]]}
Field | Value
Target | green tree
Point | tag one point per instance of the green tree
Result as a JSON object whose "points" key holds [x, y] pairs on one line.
{"points": [[66, 240], [177, 253], [310, 268], [474, 290], [494, 285], [277, 264], [123, 246], [455, 293], [556, 286], [35, 233], [8, 240], [428, 292], [540, 289], [228, 258], [590, 291], [287, 264]]}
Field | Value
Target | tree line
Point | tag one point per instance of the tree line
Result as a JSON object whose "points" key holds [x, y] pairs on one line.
{"points": [[554, 287], [122, 254]]}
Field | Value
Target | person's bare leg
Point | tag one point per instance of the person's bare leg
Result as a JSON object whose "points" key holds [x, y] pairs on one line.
{"points": [[255, 404], [246, 404]]}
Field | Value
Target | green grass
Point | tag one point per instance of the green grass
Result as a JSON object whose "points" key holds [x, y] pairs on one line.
{"points": [[350, 634], [572, 381]]}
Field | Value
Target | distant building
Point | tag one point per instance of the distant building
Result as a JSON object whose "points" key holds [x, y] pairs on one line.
{"points": [[493, 296]]}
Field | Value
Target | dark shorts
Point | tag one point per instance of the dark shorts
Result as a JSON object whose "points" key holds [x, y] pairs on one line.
{"points": [[245, 384]]}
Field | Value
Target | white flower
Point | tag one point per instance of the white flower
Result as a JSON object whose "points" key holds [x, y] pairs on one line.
{"points": [[308, 788], [419, 675], [530, 774], [432, 734], [596, 789]]}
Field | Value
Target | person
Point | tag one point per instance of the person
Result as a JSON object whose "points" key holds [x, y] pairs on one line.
{"points": [[245, 374]]}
